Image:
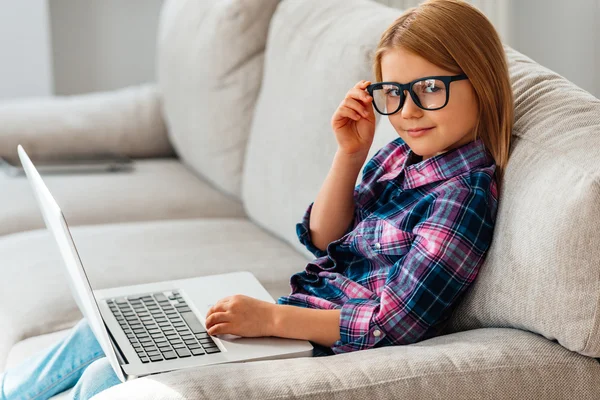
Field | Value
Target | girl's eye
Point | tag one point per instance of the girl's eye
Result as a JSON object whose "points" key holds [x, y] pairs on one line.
{"points": [[429, 86], [432, 89], [391, 92]]}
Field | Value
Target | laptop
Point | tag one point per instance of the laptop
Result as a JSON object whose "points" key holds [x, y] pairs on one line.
{"points": [[157, 327]]}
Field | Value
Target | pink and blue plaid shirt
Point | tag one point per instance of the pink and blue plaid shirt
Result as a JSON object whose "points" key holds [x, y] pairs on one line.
{"points": [[420, 232]]}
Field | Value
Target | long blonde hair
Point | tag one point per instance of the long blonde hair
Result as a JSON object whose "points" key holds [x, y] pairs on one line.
{"points": [[456, 36]]}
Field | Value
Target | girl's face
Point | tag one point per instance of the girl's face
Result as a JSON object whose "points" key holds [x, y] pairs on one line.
{"points": [[452, 126]]}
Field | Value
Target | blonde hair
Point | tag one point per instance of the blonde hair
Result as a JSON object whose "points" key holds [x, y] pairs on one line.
{"points": [[456, 36]]}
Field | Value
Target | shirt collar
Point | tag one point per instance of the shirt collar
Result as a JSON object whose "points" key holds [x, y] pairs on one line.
{"points": [[419, 172]]}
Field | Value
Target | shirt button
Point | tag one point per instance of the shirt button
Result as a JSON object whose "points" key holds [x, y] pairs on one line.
{"points": [[376, 332], [377, 245]]}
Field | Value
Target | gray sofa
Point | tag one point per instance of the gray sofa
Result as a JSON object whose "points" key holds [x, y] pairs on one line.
{"points": [[231, 145]]}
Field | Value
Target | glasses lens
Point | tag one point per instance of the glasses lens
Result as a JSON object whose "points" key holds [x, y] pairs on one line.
{"points": [[386, 98], [431, 93]]}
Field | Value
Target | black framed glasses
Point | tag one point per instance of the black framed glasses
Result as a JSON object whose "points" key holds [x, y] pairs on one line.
{"points": [[429, 93]]}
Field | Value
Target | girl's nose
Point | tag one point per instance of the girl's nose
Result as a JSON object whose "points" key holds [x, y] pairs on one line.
{"points": [[409, 108]]}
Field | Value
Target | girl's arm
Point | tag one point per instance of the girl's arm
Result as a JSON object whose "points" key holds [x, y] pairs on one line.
{"points": [[319, 326], [333, 209]]}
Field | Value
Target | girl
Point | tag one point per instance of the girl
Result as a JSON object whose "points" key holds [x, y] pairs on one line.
{"points": [[395, 253]]}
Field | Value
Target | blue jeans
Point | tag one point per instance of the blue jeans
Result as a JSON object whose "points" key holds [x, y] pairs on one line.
{"points": [[77, 360]]}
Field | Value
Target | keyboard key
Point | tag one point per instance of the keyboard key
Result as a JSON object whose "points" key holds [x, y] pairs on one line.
{"points": [[194, 346], [212, 350], [156, 358], [193, 322], [183, 352], [178, 345], [169, 355], [202, 335], [145, 359], [197, 352]]}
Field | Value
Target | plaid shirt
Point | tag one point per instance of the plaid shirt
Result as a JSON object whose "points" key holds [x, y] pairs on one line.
{"points": [[420, 232]]}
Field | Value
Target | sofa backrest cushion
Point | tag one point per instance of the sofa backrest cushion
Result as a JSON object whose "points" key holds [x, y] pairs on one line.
{"points": [[316, 51], [542, 271], [209, 68]]}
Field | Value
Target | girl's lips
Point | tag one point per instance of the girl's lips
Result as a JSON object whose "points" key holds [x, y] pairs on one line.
{"points": [[419, 133]]}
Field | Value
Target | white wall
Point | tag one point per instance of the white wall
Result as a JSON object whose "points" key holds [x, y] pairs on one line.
{"points": [[103, 44], [561, 35], [25, 66]]}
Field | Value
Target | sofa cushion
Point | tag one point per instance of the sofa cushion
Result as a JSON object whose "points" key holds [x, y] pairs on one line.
{"points": [[155, 189], [125, 254], [127, 121], [493, 363], [542, 271], [316, 52], [209, 66]]}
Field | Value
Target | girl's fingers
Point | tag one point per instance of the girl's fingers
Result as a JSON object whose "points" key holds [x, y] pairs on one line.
{"points": [[362, 84], [359, 94], [216, 318], [356, 106], [348, 113]]}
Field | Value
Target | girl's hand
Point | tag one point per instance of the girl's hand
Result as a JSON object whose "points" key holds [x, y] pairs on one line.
{"points": [[354, 121], [242, 316]]}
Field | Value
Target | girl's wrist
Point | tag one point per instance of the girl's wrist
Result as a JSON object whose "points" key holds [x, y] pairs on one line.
{"points": [[357, 158]]}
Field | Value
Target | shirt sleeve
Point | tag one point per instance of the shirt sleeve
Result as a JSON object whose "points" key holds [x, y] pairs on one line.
{"points": [[370, 173], [303, 231], [444, 258]]}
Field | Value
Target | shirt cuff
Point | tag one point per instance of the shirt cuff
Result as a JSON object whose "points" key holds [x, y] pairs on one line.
{"points": [[303, 230], [358, 330]]}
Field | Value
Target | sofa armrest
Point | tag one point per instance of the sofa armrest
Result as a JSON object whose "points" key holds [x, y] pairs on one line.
{"points": [[476, 364], [127, 121]]}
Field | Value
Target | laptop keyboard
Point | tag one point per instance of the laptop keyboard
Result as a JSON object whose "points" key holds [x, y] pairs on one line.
{"points": [[161, 328]]}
